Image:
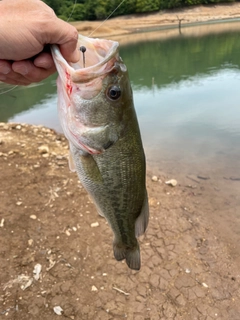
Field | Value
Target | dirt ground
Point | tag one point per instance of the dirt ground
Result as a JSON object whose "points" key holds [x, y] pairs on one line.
{"points": [[46, 219]]}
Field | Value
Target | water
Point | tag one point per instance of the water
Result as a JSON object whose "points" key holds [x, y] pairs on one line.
{"points": [[187, 97]]}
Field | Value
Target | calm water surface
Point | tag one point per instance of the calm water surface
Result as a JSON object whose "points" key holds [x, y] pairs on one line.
{"points": [[187, 97]]}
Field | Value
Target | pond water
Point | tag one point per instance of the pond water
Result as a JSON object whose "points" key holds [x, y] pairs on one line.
{"points": [[187, 96]]}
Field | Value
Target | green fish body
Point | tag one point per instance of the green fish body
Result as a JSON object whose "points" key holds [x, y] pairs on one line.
{"points": [[97, 115]]}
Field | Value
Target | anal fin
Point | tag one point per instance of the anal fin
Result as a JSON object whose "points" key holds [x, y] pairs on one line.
{"points": [[142, 220]]}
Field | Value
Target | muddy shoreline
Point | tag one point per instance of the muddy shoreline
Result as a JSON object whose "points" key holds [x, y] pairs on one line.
{"points": [[118, 27], [46, 219]]}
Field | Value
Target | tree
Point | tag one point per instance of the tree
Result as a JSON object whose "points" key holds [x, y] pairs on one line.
{"points": [[147, 5]]}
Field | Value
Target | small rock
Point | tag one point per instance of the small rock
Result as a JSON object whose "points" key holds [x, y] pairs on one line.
{"points": [[94, 224], [94, 288], [171, 182], [154, 178], [18, 203], [18, 127], [43, 149], [205, 285], [68, 233], [58, 310], [203, 177], [30, 242], [45, 155], [61, 163], [33, 217], [2, 223], [36, 271], [27, 284]]}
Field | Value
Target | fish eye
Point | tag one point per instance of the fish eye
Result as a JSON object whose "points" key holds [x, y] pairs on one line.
{"points": [[114, 92]]}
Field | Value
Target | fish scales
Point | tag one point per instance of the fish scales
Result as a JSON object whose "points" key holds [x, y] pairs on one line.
{"points": [[97, 114]]}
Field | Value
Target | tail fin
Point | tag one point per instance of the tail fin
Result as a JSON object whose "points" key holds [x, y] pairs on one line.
{"points": [[133, 258], [132, 255]]}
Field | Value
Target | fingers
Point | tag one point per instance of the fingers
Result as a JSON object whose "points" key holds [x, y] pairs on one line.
{"points": [[7, 75], [44, 60], [26, 71], [69, 50], [5, 68], [66, 36]]}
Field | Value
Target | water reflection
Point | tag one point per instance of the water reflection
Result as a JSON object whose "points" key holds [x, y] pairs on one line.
{"points": [[44, 112], [21, 99], [193, 112]]}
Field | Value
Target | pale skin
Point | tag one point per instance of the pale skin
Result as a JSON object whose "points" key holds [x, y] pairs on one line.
{"points": [[27, 27]]}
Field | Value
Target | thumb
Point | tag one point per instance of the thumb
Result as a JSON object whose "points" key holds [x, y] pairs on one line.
{"points": [[67, 41], [70, 51]]}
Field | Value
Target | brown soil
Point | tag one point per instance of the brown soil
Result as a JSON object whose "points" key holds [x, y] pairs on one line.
{"points": [[115, 28], [45, 218]]}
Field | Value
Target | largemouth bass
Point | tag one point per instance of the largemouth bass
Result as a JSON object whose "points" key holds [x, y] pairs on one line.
{"points": [[96, 111]]}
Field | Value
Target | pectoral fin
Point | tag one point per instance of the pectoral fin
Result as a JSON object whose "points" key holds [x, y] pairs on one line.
{"points": [[90, 168]]}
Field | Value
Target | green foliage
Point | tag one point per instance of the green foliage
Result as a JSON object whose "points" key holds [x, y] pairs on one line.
{"points": [[101, 9], [147, 5], [76, 12], [169, 4]]}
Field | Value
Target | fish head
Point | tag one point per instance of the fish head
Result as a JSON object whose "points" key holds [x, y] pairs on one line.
{"points": [[94, 95]]}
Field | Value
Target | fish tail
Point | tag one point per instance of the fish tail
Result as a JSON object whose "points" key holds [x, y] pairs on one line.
{"points": [[132, 255], [133, 258]]}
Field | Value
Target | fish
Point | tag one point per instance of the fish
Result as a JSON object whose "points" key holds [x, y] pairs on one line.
{"points": [[97, 115]]}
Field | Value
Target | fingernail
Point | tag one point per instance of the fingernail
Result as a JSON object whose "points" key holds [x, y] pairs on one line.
{"points": [[5, 70], [75, 56], [44, 65], [22, 70]]}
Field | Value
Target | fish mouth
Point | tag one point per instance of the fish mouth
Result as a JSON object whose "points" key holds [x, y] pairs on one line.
{"points": [[97, 60]]}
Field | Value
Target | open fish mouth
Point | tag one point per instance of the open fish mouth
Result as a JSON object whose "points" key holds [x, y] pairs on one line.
{"points": [[98, 58]]}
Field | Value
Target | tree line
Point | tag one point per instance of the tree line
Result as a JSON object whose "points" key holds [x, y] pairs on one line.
{"points": [[100, 9]]}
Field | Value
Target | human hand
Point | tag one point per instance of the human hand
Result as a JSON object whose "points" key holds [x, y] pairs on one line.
{"points": [[26, 28]]}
